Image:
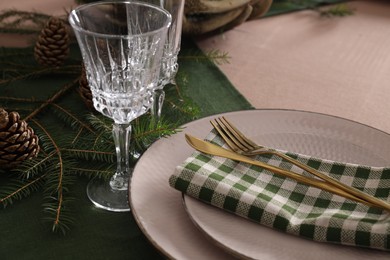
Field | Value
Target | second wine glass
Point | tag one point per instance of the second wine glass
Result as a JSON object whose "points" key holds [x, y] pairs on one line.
{"points": [[169, 64]]}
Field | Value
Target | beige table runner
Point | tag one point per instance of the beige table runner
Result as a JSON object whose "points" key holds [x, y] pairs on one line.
{"points": [[338, 66]]}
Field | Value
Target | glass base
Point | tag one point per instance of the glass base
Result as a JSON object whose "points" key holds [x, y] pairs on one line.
{"points": [[103, 196]]}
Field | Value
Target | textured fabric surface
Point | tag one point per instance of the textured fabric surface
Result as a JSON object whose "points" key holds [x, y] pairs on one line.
{"points": [[332, 65], [283, 204]]}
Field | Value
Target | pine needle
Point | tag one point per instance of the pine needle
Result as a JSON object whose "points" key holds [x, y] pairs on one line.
{"points": [[216, 56], [18, 189], [337, 10]]}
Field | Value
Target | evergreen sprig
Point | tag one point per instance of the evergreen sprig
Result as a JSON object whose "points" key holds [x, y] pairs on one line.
{"points": [[34, 167], [217, 56], [337, 10], [18, 188]]}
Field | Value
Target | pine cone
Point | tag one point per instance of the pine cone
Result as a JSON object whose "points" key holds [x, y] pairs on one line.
{"points": [[52, 46], [17, 140], [85, 91]]}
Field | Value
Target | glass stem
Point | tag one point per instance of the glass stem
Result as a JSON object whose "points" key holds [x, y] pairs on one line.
{"points": [[122, 134], [158, 101], [173, 81]]}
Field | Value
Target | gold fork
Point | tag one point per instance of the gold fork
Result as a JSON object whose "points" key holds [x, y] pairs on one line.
{"points": [[209, 148], [240, 144]]}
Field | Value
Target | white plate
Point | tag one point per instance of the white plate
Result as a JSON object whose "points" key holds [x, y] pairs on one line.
{"points": [[159, 211]]}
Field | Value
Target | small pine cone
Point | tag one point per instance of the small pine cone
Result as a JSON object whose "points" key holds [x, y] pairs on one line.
{"points": [[17, 140], [85, 91], [52, 46]]}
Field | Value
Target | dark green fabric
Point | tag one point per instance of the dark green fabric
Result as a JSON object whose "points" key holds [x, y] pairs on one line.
{"points": [[209, 87], [98, 234]]}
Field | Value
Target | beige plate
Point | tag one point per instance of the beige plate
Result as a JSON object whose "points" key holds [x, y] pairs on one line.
{"points": [[159, 211]]}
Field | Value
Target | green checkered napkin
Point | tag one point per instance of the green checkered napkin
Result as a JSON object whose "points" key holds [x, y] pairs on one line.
{"points": [[285, 205]]}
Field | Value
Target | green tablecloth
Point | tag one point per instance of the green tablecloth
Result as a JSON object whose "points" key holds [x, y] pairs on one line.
{"points": [[99, 234]]}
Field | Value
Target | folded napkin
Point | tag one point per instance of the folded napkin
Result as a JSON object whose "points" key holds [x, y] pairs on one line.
{"points": [[283, 204]]}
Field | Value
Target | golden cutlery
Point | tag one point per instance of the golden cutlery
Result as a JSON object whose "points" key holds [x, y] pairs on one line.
{"points": [[212, 149], [239, 143]]}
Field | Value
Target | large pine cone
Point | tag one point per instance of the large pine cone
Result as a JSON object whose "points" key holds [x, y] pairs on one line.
{"points": [[204, 16], [17, 140], [52, 46]]}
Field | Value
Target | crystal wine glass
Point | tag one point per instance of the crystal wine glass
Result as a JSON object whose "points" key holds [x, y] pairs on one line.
{"points": [[122, 44], [169, 65]]}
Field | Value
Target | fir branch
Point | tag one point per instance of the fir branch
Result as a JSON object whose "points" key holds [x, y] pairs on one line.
{"points": [[216, 56], [77, 136], [73, 120], [64, 220], [17, 189], [102, 171], [184, 79], [86, 145], [16, 74], [103, 127], [337, 10], [34, 166], [181, 77], [178, 104], [56, 96], [57, 151], [145, 132], [91, 155], [32, 74], [190, 110], [100, 123], [58, 181]]}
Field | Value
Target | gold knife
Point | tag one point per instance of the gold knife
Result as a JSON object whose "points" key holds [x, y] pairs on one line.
{"points": [[209, 148]]}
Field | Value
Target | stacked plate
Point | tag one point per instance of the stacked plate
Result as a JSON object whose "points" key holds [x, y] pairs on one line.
{"points": [[184, 228]]}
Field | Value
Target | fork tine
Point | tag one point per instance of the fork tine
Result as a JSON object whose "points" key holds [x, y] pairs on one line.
{"points": [[221, 132], [233, 135], [240, 145], [229, 138], [245, 140]]}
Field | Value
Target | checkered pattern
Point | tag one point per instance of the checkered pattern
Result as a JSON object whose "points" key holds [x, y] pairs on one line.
{"points": [[283, 204]]}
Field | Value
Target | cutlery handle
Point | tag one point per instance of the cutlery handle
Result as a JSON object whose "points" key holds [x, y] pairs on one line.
{"points": [[309, 181], [358, 193]]}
